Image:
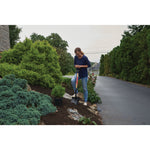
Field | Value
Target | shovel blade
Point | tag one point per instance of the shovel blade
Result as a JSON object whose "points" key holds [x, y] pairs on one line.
{"points": [[75, 100]]}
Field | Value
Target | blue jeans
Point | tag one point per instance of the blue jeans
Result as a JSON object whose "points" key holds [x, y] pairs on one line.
{"points": [[84, 85]]}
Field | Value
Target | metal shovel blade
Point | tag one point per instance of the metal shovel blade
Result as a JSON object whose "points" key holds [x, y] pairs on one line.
{"points": [[75, 100]]}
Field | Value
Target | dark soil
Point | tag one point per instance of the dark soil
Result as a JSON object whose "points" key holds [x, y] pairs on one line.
{"points": [[61, 117]]}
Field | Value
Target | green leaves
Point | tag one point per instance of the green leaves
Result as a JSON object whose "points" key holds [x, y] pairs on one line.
{"points": [[87, 121]]}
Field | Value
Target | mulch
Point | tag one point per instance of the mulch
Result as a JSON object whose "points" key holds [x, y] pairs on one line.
{"points": [[61, 117]]}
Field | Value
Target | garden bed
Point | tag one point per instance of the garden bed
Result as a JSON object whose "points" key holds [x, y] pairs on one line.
{"points": [[61, 117]]}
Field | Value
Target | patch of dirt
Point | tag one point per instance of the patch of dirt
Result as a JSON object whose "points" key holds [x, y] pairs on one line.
{"points": [[61, 117], [70, 91]]}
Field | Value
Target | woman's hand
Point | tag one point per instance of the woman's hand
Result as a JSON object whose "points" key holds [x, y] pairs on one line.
{"points": [[77, 66], [81, 66]]}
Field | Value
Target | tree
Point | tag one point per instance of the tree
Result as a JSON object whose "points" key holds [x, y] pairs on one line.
{"points": [[14, 34], [36, 37], [56, 41], [101, 65]]}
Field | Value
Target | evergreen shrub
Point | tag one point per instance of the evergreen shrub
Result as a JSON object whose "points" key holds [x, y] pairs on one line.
{"points": [[19, 106]]}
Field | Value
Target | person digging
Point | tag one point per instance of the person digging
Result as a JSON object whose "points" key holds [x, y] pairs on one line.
{"points": [[81, 63]]}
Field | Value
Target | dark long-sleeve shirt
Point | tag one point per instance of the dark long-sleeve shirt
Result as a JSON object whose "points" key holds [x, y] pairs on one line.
{"points": [[83, 61]]}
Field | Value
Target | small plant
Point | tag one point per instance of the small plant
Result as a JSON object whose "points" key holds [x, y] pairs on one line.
{"points": [[87, 121], [58, 91]]}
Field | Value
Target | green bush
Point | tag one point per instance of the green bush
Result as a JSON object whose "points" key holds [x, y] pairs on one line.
{"points": [[19, 106], [6, 69], [47, 81], [32, 77], [15, 55], [36, 62], [58, 91], [43, 59]]}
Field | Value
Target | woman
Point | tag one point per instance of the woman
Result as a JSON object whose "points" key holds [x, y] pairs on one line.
{"points": [[81, 63]]}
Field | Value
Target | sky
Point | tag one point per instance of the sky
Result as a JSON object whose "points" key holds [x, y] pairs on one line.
{"points": [[94, 40]]}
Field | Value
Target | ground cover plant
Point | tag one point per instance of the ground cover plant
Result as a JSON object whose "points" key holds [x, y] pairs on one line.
{"points": [[18, 106], [87, 121], [36, 62]]}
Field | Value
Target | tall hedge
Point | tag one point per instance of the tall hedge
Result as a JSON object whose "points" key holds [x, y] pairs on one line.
{"points": [[131, 59]]}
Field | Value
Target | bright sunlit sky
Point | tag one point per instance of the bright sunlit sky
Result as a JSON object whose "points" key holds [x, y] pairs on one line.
{"points": [[94, 40]]}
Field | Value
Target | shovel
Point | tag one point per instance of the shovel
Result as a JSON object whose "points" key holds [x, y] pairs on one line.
{"points": [[76, 99]]}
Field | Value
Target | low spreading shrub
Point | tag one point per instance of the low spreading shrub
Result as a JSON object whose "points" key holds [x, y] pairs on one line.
{"points": [[58, 91], [19, 106]]}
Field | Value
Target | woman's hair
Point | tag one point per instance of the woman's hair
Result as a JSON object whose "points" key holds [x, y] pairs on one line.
{"points": [[78, 50]]}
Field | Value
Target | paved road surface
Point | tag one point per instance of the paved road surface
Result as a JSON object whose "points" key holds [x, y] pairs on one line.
{"points": [[123, 103]]}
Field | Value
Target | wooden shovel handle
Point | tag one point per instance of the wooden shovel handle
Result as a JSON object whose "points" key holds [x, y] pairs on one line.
{"points": [[77, 80]]}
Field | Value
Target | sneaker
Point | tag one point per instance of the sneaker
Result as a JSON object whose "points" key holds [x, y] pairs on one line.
{"points": [[85, 103]]}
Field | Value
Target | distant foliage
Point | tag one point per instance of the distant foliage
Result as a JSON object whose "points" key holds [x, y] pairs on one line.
{"points": [[36, 62], [19, 106], [131, 59]]}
